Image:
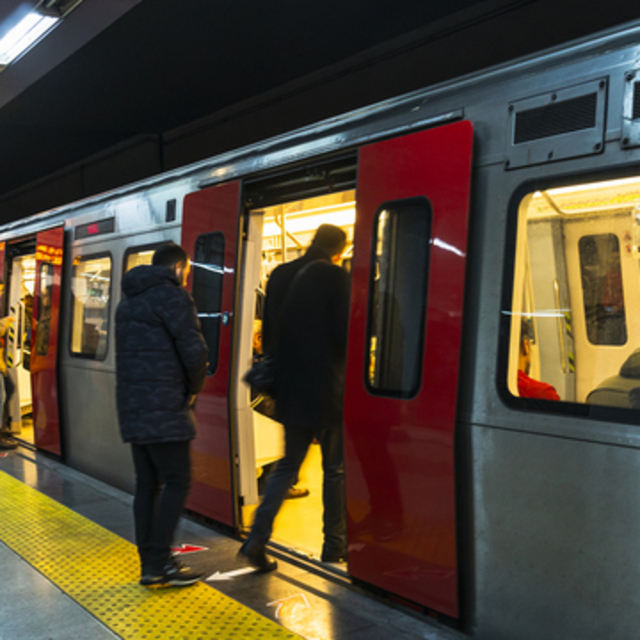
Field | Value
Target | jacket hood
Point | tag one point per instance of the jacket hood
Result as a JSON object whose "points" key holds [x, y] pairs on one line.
{"points": [[145, 276]]}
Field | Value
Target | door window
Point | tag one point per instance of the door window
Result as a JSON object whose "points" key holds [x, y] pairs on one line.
{"points": [[208, 272], [45, 294], [399, 273], [91, 289], [602, 289]]}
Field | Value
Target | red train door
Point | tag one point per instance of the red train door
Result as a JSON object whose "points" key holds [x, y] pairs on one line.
{"points": [[44, 354], [402, 367], [209, 234]]}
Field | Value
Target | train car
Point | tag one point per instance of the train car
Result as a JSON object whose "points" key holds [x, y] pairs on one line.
{"points": [[492, 446]]}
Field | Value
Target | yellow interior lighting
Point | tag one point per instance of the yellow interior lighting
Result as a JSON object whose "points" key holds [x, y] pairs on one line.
{"points": [[340, 215], [596, 197]]}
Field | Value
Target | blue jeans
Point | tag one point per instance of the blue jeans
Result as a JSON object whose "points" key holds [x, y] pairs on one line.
{"points": [[297, 442], [163, 478]]}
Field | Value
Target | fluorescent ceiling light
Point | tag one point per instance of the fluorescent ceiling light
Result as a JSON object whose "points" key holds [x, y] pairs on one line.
{"points": [[302, 222], [30, 29]]}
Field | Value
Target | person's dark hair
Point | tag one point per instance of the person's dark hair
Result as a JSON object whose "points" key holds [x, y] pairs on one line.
{"points": [[168, 255], [330, 239]]}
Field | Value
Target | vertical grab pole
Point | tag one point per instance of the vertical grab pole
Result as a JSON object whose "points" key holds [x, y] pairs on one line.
{"points": [[563, 350]]}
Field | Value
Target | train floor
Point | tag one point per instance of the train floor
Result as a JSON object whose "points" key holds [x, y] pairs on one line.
{"points": [[70, 571]]}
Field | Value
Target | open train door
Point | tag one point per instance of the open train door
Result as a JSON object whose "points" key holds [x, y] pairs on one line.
{"points": [[44, 353], [209, 234], [402, 367]]}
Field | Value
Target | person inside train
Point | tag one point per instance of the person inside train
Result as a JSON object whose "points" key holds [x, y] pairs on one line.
{"points": [[260, 402], [529, 387], [266, 405], [305, 330], [161, 364], [5, 433]]}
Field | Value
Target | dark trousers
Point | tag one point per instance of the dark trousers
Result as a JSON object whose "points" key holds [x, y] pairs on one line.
{"points": [[163, 478], [297, 442]]}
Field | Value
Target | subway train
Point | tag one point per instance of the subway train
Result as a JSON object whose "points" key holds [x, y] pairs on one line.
{"points": [[491, 413]]}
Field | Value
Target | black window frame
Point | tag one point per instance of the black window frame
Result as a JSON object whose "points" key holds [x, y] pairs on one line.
{"points": [[212, 365], [537, 405], [390, 205]]}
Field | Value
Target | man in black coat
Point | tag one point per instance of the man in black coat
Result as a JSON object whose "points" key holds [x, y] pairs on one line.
{"points": [[161, 363], [305, 330]]}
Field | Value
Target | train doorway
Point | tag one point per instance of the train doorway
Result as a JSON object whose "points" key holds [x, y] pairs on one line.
{"points": [[18, 411], [33, 279], [278, 234]]}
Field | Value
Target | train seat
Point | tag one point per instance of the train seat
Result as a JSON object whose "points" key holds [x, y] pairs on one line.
{"points": [[616, 391]]}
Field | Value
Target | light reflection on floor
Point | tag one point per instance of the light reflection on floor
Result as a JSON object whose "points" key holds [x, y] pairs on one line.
{"points": [[299, 523]]}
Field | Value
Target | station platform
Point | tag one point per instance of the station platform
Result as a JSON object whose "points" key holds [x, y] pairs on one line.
{"points": [[70, 570]]}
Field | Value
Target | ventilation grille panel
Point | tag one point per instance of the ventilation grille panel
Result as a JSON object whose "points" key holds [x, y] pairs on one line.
{"points": [[556, 118], [557, 125]]}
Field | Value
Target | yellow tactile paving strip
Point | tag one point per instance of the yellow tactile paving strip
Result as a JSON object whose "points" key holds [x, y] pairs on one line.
{"points": [[99, 570]]}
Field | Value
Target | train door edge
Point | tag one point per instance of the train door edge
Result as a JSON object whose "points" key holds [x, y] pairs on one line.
{"points": [[210, 222], [407, 289]]}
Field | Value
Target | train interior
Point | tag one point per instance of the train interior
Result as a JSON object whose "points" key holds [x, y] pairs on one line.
{"points": [[575, 317], [18, 341], [276, 235]]}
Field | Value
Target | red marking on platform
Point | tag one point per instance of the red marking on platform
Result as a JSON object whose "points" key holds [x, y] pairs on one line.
{"points": [[3, 455], [187, 548], [287, 606]]}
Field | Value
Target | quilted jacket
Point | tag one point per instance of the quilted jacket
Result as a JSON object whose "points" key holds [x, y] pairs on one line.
{"points": [[161, 357]]}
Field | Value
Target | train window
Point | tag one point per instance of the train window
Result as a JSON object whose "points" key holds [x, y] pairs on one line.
{"points": [[208, 270], [135, 256], [575, 312], [602, 289], [43, 320], [398, 294], [91, 289]]}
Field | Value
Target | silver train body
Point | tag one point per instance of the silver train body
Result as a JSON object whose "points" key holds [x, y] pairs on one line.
{"points": [[547, 518]]}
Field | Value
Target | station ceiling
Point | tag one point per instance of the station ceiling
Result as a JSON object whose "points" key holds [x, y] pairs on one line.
{"points": [[149, 66], [115, 69]]}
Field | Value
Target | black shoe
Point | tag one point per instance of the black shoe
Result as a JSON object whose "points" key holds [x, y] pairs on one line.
{"points": [[176, 574], [150, 579], [256, 556], [8, 444]]}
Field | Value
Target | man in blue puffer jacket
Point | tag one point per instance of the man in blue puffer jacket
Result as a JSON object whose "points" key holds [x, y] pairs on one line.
{"points": [[161, 363]]}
